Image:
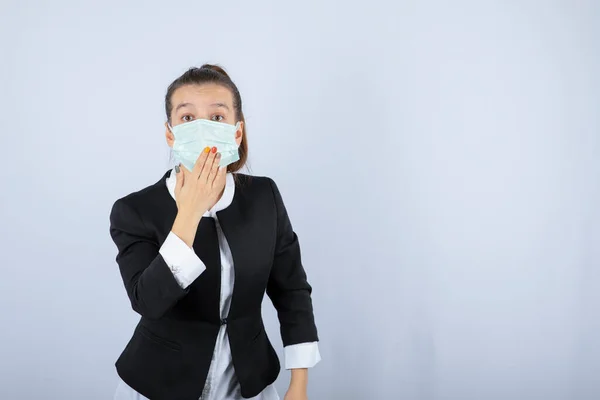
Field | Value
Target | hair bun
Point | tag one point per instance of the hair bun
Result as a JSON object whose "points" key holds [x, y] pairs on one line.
{"points": [[215, 68]]}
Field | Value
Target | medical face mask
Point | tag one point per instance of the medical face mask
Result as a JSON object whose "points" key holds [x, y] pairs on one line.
{"points": [[191, 138]]}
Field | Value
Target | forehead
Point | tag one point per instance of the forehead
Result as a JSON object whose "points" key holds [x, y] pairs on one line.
{"points": [[202, 95]]}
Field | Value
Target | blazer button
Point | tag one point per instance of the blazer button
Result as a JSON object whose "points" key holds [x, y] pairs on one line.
{"points": [[224, 321]]}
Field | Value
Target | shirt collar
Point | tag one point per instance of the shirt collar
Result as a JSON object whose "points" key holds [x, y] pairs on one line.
{"points": [[224, 201]]}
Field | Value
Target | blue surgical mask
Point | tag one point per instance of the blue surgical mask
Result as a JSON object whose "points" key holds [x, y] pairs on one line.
{"points": [[191, 138]]}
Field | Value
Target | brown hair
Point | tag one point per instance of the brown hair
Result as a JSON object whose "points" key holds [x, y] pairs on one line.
{"points": [[209, 73]]}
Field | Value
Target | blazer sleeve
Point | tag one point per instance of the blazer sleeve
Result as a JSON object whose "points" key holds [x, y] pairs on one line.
{"points": [[150, 284], [288, 287]]}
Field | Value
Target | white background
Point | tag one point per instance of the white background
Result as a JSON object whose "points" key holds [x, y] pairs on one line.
{"points": [[439, 161]]}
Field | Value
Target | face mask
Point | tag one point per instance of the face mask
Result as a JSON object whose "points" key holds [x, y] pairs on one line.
{"points": [[191, 138]]}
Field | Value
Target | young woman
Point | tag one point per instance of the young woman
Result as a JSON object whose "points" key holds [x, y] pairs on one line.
{"points": [[197, 250]]}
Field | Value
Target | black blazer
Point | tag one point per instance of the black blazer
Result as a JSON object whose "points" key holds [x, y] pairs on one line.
{"points": [[171, 349]]}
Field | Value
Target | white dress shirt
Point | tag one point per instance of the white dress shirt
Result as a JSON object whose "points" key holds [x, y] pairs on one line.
{"points": [[221, 382]]}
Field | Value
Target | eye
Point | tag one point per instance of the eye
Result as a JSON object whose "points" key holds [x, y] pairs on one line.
{"points": [[187, 118], [217, 118]]}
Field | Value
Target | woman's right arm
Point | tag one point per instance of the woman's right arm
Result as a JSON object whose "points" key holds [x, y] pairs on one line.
{"points": [[157, 278]]}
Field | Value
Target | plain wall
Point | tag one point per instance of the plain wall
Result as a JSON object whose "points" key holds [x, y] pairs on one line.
{"points": [[439, 161]]}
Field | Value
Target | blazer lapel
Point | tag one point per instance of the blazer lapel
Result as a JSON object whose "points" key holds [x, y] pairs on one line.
{"points": [[160, 209], [169, 208], [233, 219]]}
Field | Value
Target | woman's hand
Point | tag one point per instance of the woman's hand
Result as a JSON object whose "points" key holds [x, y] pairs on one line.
{"points": [[196, 192]]}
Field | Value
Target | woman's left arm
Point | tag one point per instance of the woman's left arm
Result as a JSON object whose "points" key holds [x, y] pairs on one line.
{"points": [[290, 293]]}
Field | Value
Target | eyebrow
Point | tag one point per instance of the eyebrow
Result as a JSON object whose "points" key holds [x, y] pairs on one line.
{"points": [[223, 105], [183, 105]]}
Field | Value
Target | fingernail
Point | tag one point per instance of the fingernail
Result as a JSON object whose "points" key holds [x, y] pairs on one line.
{"points": [[177, 169], [218, 155], [207, 149], [214, 149]]}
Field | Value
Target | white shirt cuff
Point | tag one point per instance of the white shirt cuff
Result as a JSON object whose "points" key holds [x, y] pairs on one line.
{"points": [[183, 262], [302, 355]]}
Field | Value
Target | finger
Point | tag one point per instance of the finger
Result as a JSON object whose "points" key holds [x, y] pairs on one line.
{"points": [[208, 165], [220, 178], [197, 170], [214, 170], [179, 176]]}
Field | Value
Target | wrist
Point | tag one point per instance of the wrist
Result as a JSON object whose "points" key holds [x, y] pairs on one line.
{"points": [[193, 214], [185, 227], [297, 388], [189, 214], [299, 378]]}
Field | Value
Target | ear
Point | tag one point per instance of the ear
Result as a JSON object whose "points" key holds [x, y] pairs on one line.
{"points": [[239, 134], [169, 135]]}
